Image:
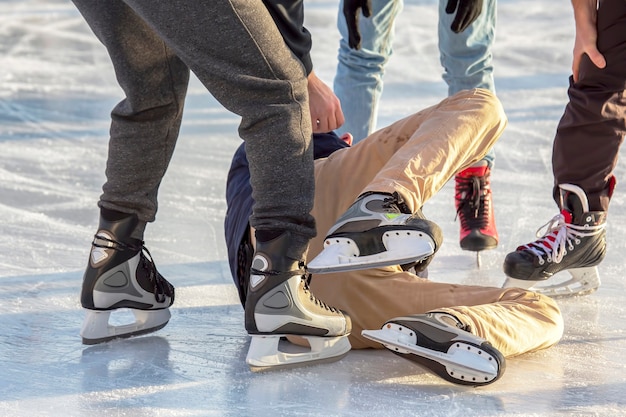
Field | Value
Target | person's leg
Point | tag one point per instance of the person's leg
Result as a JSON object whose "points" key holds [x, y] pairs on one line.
{"points": [[466, 57], [467, 61], [358, 80], [468, 344], [403, 165], [145, 125], [585, 152], [513, 320], [434, 143], [486, 323], [143, 133], [456, 134], [238, 54], [593, 125]]}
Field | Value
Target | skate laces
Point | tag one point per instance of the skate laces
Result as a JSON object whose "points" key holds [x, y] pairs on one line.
{"points": [[160, 286], [472, 202], [560, 236], [306, 281], [395, 204]]}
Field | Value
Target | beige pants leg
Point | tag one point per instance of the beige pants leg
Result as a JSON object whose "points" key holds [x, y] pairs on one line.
{"points": [[416, 156]]}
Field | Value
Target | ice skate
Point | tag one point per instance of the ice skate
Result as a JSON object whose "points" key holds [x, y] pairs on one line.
{"points": [[474, 208], [121, 274], [574, 242], [279, 304], [377, 230], [442, 344]]}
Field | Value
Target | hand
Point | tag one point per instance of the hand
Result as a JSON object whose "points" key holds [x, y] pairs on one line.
{"points": [[585, 14], [466, 12], [351, 11], [325, 108]]}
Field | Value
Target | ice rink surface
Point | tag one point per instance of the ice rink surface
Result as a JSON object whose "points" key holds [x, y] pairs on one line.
{"points": [[56, 91]]}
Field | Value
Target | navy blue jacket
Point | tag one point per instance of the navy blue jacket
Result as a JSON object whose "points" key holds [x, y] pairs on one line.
{"points": [[239, 200]]}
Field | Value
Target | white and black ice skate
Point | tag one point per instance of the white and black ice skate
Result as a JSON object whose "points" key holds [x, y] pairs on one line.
{"points": [[376, 231], [121, 274], [574, 242], [280, 304], [439, 342]]}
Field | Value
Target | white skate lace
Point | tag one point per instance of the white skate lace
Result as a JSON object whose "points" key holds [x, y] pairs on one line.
{"points": [[160, 286], [558, 238]]}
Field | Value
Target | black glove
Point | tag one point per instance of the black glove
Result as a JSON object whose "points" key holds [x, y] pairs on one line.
{"points": [[466, 12], [352, 10]]}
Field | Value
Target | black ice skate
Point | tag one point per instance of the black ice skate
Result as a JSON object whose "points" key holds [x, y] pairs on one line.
{"points": [[377, 230], [279, 303], [442, 344], [575, 241], [121, 274]]}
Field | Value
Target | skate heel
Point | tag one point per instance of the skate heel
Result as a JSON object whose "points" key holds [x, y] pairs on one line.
{"points": [[96, 327]]}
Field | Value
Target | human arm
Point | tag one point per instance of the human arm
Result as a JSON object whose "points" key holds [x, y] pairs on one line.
{"points": [[323, 103], [289, 17], [585, 15]]}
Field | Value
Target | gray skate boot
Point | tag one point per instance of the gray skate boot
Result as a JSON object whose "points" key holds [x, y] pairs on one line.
{"points": [[121, 274], [575, 241], [439, 342], [377, 230], [279, 303]]}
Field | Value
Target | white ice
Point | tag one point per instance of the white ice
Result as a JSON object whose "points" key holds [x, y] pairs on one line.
{"points": [[56, 91]]}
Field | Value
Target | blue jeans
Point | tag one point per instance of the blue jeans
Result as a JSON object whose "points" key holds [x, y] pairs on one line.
{"points": [[466, 59]]}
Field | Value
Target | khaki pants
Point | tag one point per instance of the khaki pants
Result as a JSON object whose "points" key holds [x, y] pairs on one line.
{"points": [[416, 156]]}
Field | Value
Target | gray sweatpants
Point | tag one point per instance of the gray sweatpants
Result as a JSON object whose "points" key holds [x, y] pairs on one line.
{"points": [[237, 52]]}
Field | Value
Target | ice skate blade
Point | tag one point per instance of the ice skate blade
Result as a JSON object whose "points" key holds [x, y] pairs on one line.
{"points": [[464, 363], [96, 328], [264, 353], [581, 281], [343, 254]]}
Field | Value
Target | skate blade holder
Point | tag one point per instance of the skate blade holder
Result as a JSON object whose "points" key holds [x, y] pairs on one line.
{"points": [[463, 361], [96, 327], [580, 281], [342, 254], [269, 352]]}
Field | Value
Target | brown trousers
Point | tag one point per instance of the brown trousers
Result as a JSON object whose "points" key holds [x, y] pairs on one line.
{"points": [[416, 156], [592, 129]]}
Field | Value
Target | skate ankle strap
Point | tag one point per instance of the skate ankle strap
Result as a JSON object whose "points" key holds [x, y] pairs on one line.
{"points": [[102, 241]]}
